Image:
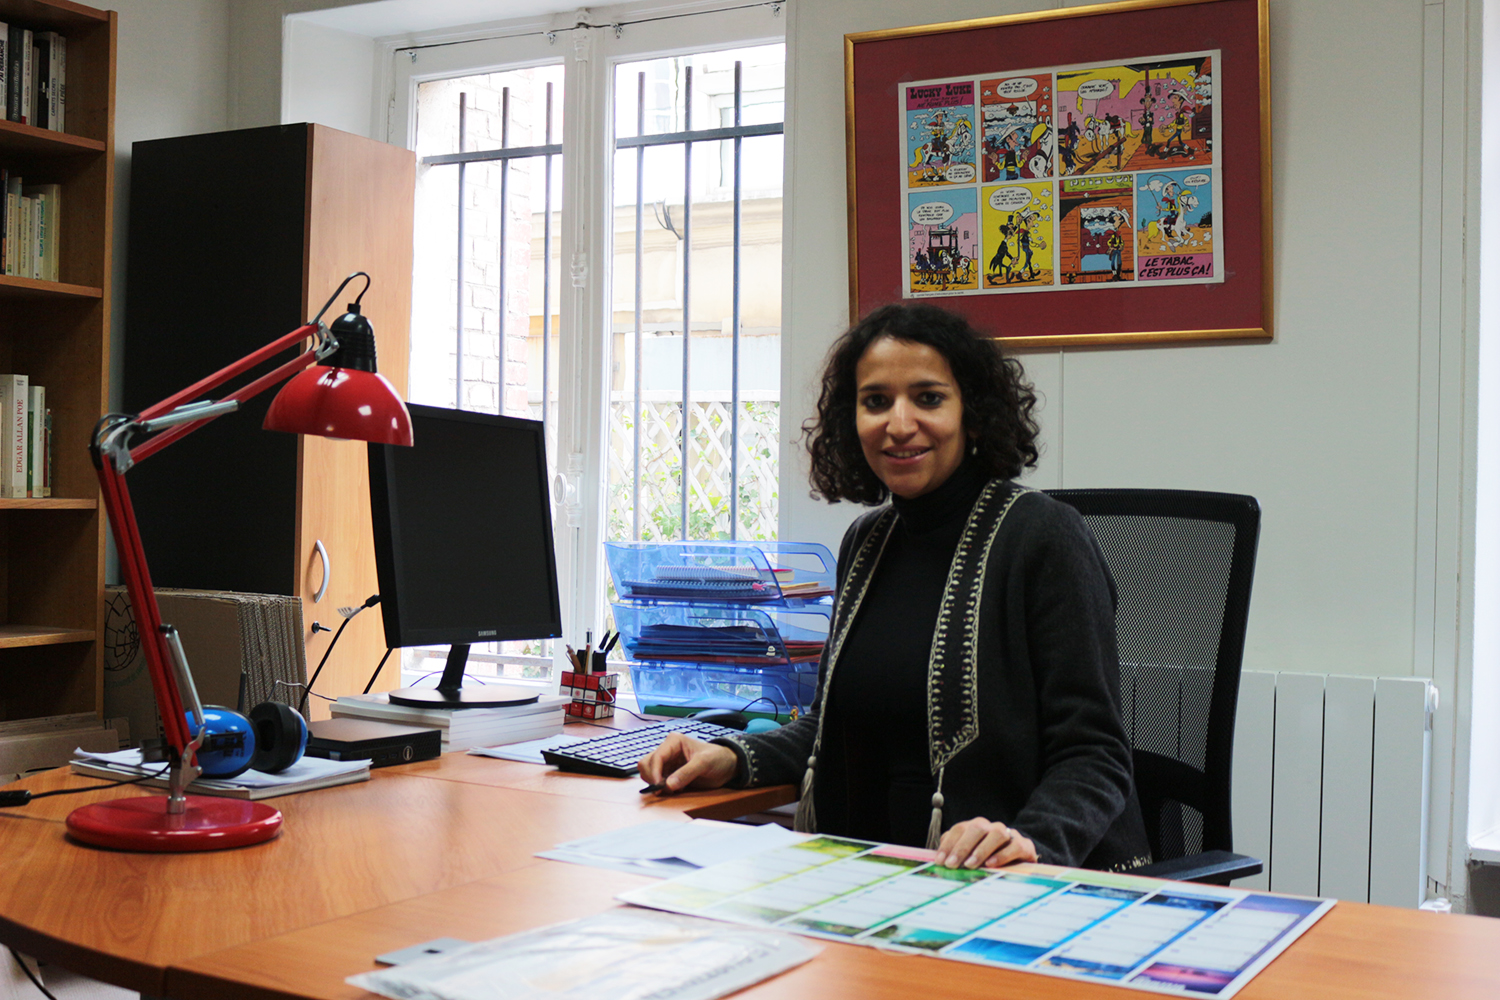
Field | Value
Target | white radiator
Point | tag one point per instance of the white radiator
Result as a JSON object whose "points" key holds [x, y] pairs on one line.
{"points": [[1331, 784]]}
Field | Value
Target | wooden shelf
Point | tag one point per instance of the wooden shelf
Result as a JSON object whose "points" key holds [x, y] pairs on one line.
{"points": [[12, 287], [49, 503], [18, 138], [13, 636]]}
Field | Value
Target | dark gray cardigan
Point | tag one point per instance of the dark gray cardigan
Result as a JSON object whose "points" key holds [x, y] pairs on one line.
{"points": [[1023, 696]]}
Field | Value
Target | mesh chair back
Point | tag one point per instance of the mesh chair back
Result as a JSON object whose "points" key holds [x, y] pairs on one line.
{"points": [[1182, 564]]}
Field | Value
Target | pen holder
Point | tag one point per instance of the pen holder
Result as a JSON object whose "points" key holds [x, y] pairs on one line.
{"points": [[592, 695]]}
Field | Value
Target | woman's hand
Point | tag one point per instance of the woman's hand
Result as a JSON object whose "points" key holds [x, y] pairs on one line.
{"points": [[680, 762], [979, 841]]}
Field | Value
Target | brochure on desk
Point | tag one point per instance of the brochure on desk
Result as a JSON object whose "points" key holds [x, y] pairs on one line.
{"points": [[1147, 934]]}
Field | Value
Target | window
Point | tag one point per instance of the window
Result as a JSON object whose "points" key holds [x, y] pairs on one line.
{"points": [[510, 316]]}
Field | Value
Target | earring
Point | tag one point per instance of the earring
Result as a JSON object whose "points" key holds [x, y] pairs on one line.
{"points": [[974, 448]]}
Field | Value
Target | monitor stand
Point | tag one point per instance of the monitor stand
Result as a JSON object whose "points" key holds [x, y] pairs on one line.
{"points": [[450, 692]]}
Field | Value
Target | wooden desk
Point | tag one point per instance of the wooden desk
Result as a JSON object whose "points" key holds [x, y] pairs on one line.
{"points": [[408, 831], [444, 848]]}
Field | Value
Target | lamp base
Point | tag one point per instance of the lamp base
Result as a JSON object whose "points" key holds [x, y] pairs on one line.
{"points": [[142, 823]]}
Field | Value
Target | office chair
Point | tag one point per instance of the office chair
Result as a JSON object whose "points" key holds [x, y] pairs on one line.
{"points": [[1182, 563]]}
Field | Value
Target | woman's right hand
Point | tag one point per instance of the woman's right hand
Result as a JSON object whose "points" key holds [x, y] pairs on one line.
{"points": [[681, 762]]}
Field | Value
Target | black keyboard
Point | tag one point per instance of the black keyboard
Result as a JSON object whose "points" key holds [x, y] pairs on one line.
{"points": [[615, 756]]}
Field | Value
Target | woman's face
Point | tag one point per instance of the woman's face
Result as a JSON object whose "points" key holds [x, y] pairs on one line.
{"points": [[909, 416]]}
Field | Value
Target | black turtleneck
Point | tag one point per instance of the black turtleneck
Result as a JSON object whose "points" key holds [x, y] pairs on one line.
{"points": [[878, 704]]}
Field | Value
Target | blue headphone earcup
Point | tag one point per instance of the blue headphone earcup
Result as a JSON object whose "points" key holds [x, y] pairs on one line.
{"points": [[280, 736], [228, 742]]}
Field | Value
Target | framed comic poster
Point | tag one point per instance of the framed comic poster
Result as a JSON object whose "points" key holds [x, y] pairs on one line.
{"points": [[1075, 176]]}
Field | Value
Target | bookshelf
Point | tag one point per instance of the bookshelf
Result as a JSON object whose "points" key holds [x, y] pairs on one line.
{"points": [[52, 550]]}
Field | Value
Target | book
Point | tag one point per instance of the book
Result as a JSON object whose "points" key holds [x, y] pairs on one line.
{"points": [[60, 53], [13, 398], [12, 224], [41, 87], [14, 66], [49, 89], [27, 267], [36, 416], [4, 72], [47, 210], [28, 84], [4, 212], [307, 774], [47, 454]]}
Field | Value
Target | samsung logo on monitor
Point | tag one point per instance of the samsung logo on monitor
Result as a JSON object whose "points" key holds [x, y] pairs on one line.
{"points": [[488, 631]]}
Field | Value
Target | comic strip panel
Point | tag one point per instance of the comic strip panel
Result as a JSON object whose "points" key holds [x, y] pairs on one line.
{"points": [[1094, 229], [1016, 123], [1136, 116], [940, 134], [1175, 224], [1017, 235], [943, 241]]}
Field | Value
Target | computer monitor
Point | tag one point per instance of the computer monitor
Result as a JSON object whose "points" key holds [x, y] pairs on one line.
{"points": [[463, 544]]}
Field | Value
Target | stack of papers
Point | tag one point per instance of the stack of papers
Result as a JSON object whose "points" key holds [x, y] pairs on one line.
{"points": [[462, 728], [303, 776]]}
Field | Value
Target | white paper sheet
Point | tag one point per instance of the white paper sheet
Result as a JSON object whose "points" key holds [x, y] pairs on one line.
{"points": [[621, 954], [666, 848], [529, 751]]}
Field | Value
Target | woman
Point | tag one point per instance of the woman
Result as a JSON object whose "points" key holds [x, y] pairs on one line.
{"points": [[968, 697]]}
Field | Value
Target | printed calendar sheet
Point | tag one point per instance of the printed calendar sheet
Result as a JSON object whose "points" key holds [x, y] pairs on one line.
{"points": [[1149, 934]]}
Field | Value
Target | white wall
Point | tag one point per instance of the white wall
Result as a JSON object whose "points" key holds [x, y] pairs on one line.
{"points": [[1331, 425], [328, 77], [171, 78]]}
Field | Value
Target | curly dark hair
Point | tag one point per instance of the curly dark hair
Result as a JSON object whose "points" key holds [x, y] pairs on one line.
{"points": [[997, 401]]}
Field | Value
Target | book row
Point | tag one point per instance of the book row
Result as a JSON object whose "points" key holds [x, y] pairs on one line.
{"points": [[29, 227], [25, 439], [33, 76]]}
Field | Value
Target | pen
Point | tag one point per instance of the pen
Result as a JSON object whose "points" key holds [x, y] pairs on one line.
{"points": [[656, 789]]}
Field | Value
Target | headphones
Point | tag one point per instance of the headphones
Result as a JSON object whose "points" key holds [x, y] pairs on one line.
{"points": [[272, 738]]}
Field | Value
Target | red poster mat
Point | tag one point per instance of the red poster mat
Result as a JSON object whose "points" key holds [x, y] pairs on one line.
{"points": [[878, 64]]}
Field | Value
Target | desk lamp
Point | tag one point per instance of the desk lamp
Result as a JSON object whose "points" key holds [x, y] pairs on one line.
{"points": [[336, 393]]}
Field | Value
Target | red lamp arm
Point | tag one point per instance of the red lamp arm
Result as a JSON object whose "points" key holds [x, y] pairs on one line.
{"points": [[127, 533]]}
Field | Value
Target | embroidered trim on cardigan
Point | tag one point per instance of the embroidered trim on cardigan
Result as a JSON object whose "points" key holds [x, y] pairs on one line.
{"points": [[962, 595]]}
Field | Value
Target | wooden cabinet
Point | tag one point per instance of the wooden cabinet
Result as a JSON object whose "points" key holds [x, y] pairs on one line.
{"points": [[235, 238], [57, 333]]}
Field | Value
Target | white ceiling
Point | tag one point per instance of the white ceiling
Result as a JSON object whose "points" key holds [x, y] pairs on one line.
{"points": [[400, 17]]}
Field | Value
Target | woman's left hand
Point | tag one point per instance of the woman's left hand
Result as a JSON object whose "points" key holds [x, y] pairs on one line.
{"points": [[979, 841]]}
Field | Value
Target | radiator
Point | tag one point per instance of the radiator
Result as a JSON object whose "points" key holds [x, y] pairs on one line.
{"points": [[1331, 784]]}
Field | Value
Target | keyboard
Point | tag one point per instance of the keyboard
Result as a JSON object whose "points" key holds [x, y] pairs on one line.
{"points": [[615, 755]]}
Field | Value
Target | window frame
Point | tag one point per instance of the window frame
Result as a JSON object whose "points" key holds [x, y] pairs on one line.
{"points": [[584, 304]]}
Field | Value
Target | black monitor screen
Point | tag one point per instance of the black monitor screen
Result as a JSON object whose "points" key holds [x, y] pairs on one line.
{"points": [[463, 531]]}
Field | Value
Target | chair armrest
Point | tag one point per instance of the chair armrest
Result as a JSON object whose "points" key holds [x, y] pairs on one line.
{"points": [[1211, 867]]}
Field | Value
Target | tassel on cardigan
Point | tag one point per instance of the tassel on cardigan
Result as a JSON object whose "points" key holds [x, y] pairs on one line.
{"points": [[935, 825], [806, 819]]}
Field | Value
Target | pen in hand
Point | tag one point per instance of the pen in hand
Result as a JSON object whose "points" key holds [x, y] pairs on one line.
{"points": [[661, 789]]}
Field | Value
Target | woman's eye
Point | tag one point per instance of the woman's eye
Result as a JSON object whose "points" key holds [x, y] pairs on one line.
{"points": [[874, 402], [931, 399]]}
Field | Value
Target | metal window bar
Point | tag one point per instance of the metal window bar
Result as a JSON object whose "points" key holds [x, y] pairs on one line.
{"points": [[547, 271], [504, 324], [685, 138], [687, 301], [503, 155], [640, 180], [458, 321], [734, 364]]}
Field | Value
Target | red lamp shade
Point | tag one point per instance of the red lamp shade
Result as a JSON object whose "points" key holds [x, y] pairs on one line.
{"points": [[341, 403]]}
